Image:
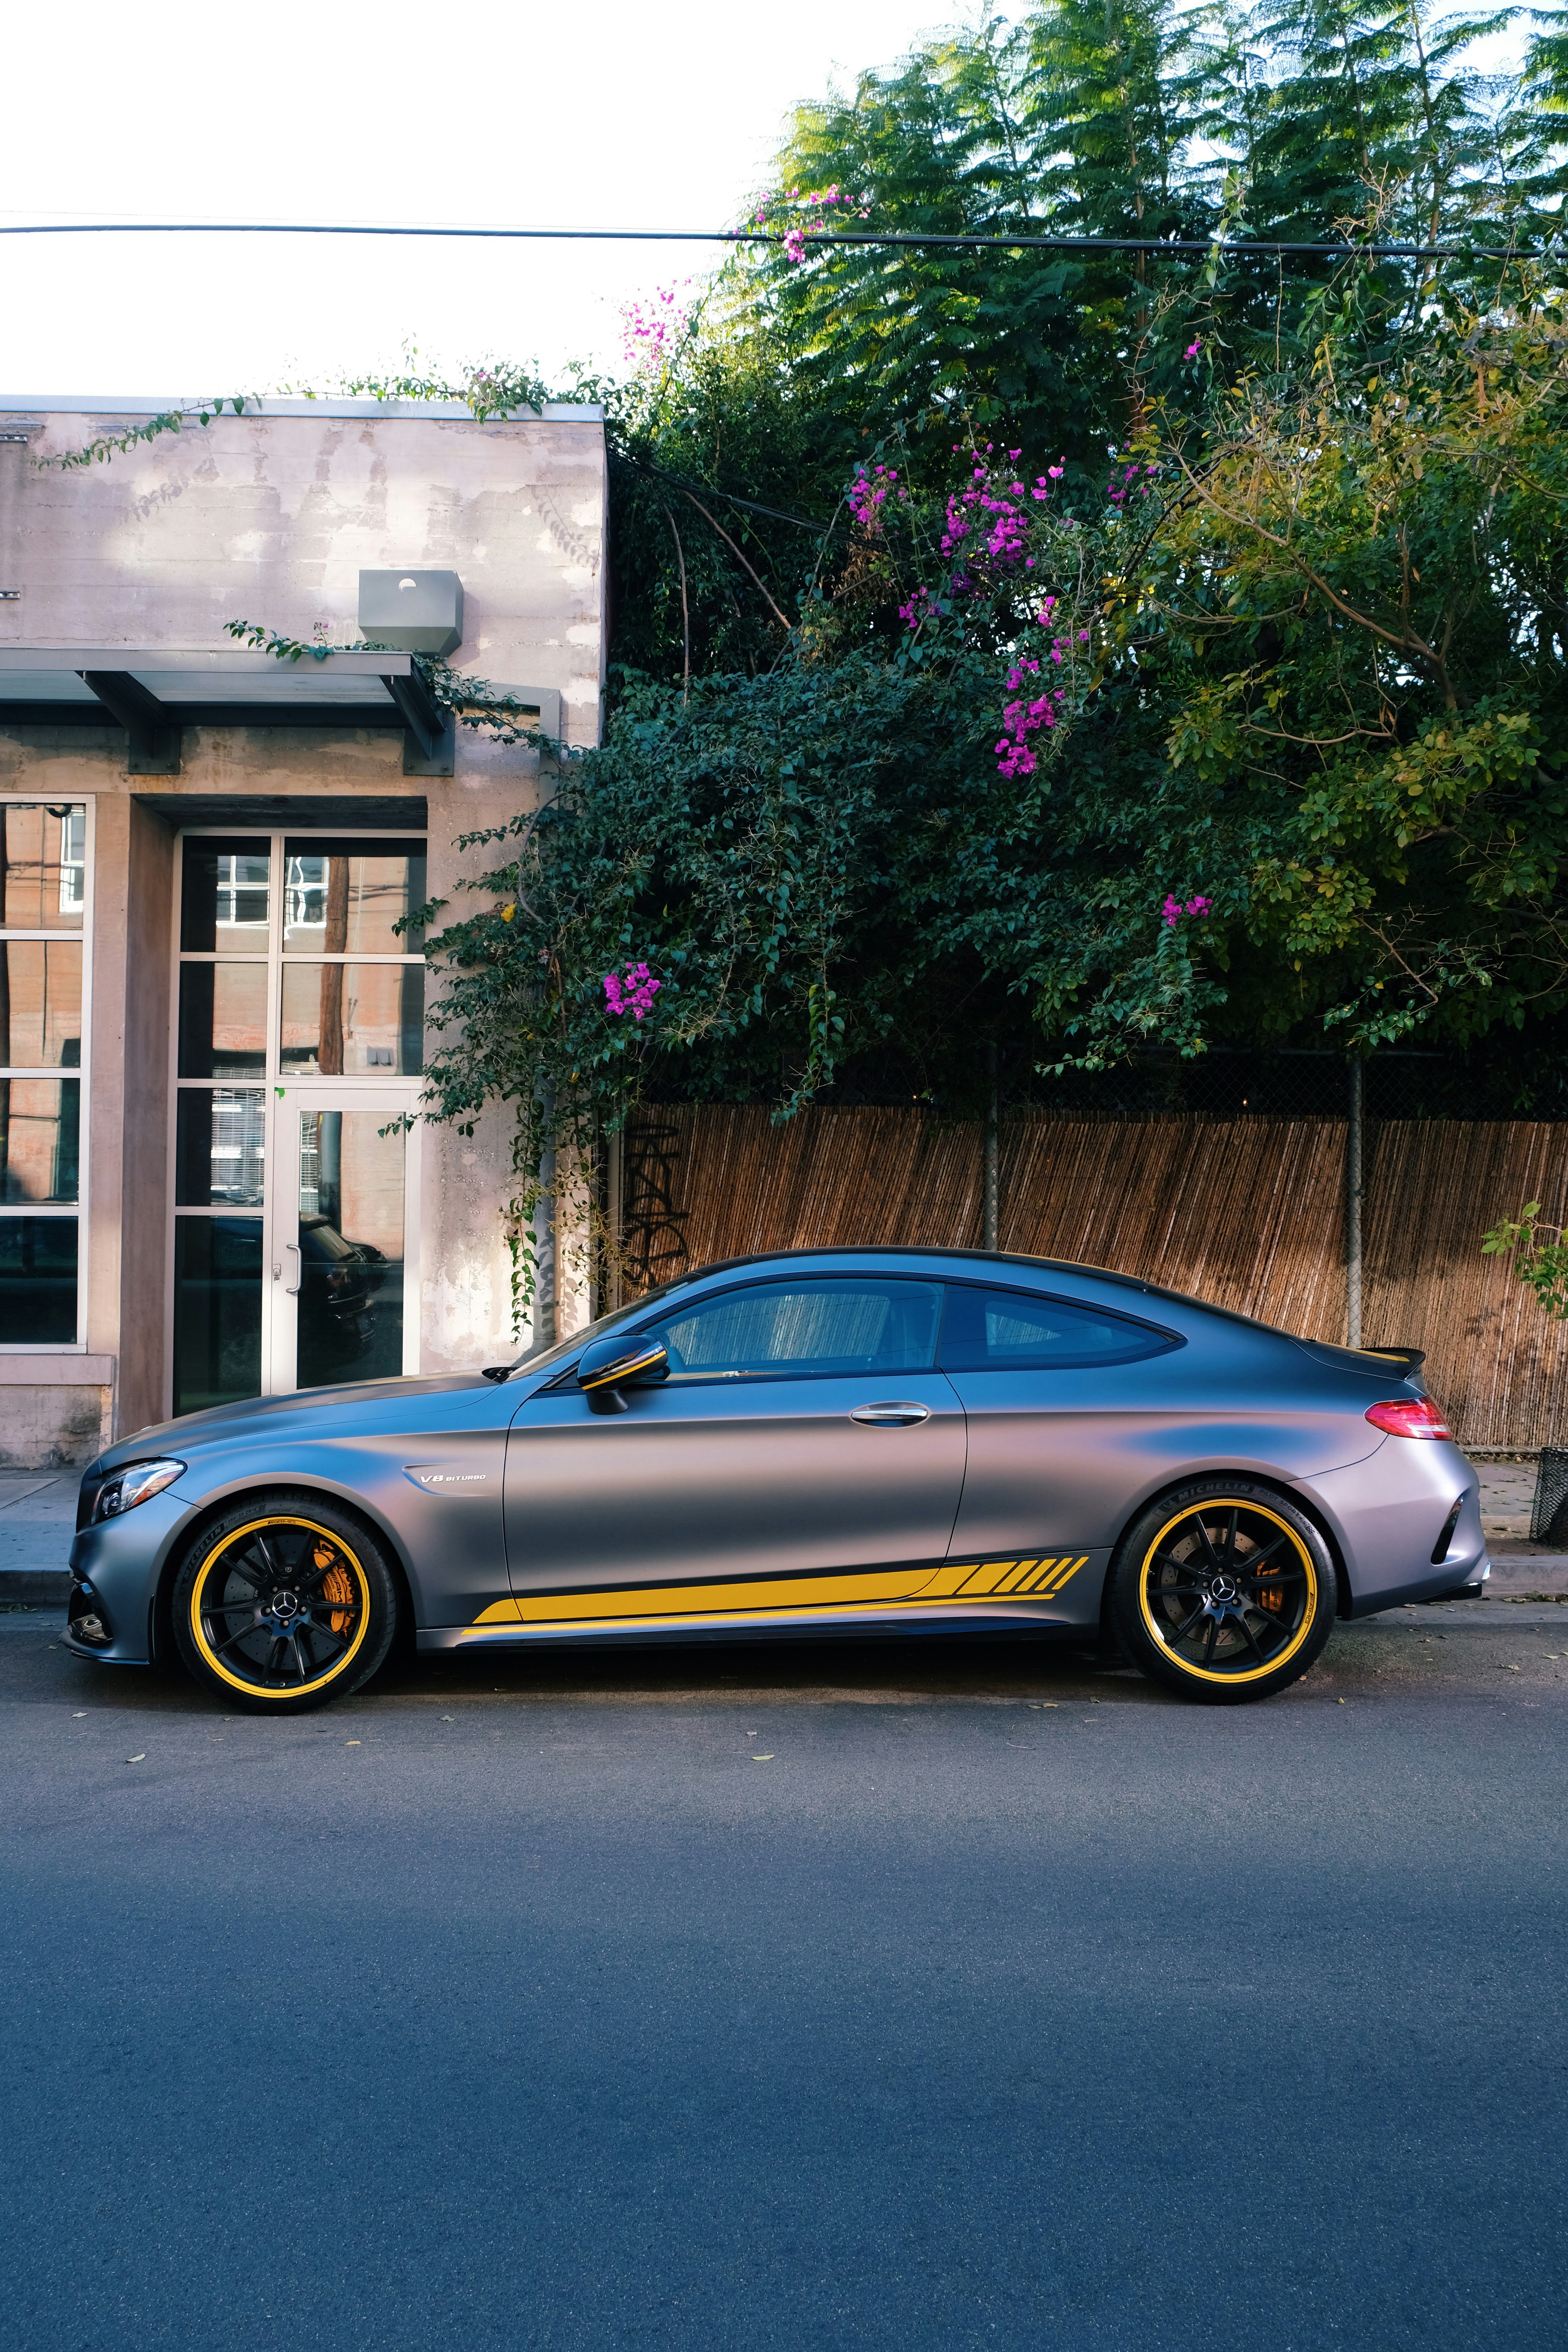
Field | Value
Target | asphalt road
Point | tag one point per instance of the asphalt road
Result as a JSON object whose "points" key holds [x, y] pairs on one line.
{"points": [[921, 1996]]}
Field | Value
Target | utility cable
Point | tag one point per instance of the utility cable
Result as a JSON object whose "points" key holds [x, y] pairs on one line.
{"points": [[1266, 247]]}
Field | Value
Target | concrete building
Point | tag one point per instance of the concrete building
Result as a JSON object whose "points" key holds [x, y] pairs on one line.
{"points": [[208, 1019]]}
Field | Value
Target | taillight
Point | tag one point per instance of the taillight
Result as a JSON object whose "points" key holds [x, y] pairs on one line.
{"points": [[1409, 1417]]}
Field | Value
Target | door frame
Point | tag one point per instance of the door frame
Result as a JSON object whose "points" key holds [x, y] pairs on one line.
{"points": [[279, 1091]]}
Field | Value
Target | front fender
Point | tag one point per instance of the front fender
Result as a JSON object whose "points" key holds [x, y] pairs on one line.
{"points": [[130, 1561]]}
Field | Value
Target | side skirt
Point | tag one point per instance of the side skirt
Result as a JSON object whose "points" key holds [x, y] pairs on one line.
{"points": [[997, 1617]]}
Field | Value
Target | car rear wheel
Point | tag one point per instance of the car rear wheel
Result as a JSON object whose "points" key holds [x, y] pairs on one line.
{"points": [[284, 1603], [1224, 1591]]}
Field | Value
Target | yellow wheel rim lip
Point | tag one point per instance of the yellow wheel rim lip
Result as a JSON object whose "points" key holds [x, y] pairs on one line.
{"points": [[235, 1535], [1309, 1614]]}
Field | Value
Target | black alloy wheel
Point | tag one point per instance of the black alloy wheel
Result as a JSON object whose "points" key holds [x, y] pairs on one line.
{"points": [[1224, 1591], [283, 1603]]}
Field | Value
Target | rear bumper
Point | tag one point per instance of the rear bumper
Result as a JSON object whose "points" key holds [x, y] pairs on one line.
{"points": [[1387, 1515]]}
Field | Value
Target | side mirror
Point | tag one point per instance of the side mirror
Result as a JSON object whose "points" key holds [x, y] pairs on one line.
{"points": [[608, 1366]]}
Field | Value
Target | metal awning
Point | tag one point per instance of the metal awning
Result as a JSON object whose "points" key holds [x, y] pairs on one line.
{"points": [[154, 693]]}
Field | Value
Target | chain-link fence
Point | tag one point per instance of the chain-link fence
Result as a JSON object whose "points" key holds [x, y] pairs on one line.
{"points": [[1291, 1083]]}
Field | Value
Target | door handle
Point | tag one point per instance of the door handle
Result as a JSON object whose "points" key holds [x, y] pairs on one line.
{"points": [[889, 1416], [292, 1288]]}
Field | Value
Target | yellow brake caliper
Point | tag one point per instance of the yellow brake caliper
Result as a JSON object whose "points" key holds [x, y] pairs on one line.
{"points": [[337, 1589]]}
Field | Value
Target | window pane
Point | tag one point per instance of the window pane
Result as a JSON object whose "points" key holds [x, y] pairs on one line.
{"points": [[796, 1328], [218, 1159], [351, 1248], [217, 1310], [344, 897], [40, 1138], [224, 896], [43, 865], [223, 1020], [1003, 1330], [354, 1020], [40, 1003], [38, 1281]]}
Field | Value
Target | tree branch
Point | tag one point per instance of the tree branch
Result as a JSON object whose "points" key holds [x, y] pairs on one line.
{"points": [[1409, 642], [730, 544]]}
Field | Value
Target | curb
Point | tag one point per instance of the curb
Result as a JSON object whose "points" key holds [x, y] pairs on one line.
{"points": [[32, 1586]]}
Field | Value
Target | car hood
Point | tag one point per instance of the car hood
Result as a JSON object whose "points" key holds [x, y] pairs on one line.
{"points": [[225, 1422]]}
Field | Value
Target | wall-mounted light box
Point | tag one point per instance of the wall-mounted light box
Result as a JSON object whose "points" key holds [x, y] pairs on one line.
{"points": [[414, 611]]}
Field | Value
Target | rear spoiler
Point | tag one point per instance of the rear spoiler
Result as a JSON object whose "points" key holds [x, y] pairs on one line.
{"points": [[1409, 1359]]}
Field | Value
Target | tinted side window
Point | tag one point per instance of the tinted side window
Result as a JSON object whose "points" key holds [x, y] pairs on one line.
{"points": [[1017, 1330], [795, 1330]]}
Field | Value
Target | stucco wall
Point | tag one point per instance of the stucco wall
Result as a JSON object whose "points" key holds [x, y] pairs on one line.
{"points": [[270, 519]]}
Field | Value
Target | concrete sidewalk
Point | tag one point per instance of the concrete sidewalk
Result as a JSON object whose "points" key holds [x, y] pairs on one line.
{"points": [[38, 1520]]}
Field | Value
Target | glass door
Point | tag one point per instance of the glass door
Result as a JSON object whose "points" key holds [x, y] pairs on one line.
{"points": [[343, 1306], [298, 1049]]}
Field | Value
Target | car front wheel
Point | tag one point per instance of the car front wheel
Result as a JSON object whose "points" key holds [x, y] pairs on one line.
{"points": [[283, 1603], [1224, 1591]]}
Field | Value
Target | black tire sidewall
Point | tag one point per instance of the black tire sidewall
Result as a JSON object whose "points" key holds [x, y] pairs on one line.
{"points": [[1127, 1618], [321, 1511]]}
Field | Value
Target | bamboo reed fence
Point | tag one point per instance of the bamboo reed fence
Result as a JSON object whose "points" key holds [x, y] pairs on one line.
{"points": [[1246, 1211]]}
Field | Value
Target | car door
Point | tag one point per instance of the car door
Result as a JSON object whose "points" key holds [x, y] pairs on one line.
{"points": [[803, 1456], [1052, 1388]]}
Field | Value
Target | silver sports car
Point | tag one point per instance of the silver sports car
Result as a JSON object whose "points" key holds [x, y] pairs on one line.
{"points": [[826, 1442]]}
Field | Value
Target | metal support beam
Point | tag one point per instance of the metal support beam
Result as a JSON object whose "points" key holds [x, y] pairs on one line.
{"points": [[430, 733], [155, 738], [1354, 1186], [615, 1215], [993, 1154]]}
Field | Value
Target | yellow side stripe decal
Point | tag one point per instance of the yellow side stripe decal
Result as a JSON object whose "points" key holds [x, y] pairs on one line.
{"points": [[866, 1588], [680, 1600]]}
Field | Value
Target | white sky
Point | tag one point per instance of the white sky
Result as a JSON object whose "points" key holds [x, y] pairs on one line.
{"points": [[612, 113], [604, 114]]}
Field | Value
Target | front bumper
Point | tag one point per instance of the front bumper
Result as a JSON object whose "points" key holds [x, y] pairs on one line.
{"points": [[115, 1566]]}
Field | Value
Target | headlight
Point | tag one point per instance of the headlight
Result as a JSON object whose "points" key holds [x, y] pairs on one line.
{"points": [[133, 1486]]}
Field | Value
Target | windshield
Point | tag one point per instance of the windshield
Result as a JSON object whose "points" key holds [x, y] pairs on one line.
{"points": [[539, 1359]]}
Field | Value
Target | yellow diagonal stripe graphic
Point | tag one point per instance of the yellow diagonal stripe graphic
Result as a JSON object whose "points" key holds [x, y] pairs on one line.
{"points": [[788, 1597]]}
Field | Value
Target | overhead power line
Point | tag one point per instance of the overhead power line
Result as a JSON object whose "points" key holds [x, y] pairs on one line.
{"points": [[1266, 247]]}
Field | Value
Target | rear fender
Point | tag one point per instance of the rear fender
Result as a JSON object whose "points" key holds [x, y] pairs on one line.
{"points": [[1287, 1491]]}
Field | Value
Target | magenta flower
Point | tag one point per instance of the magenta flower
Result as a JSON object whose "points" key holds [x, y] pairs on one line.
{"points": [[634, 995]]}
